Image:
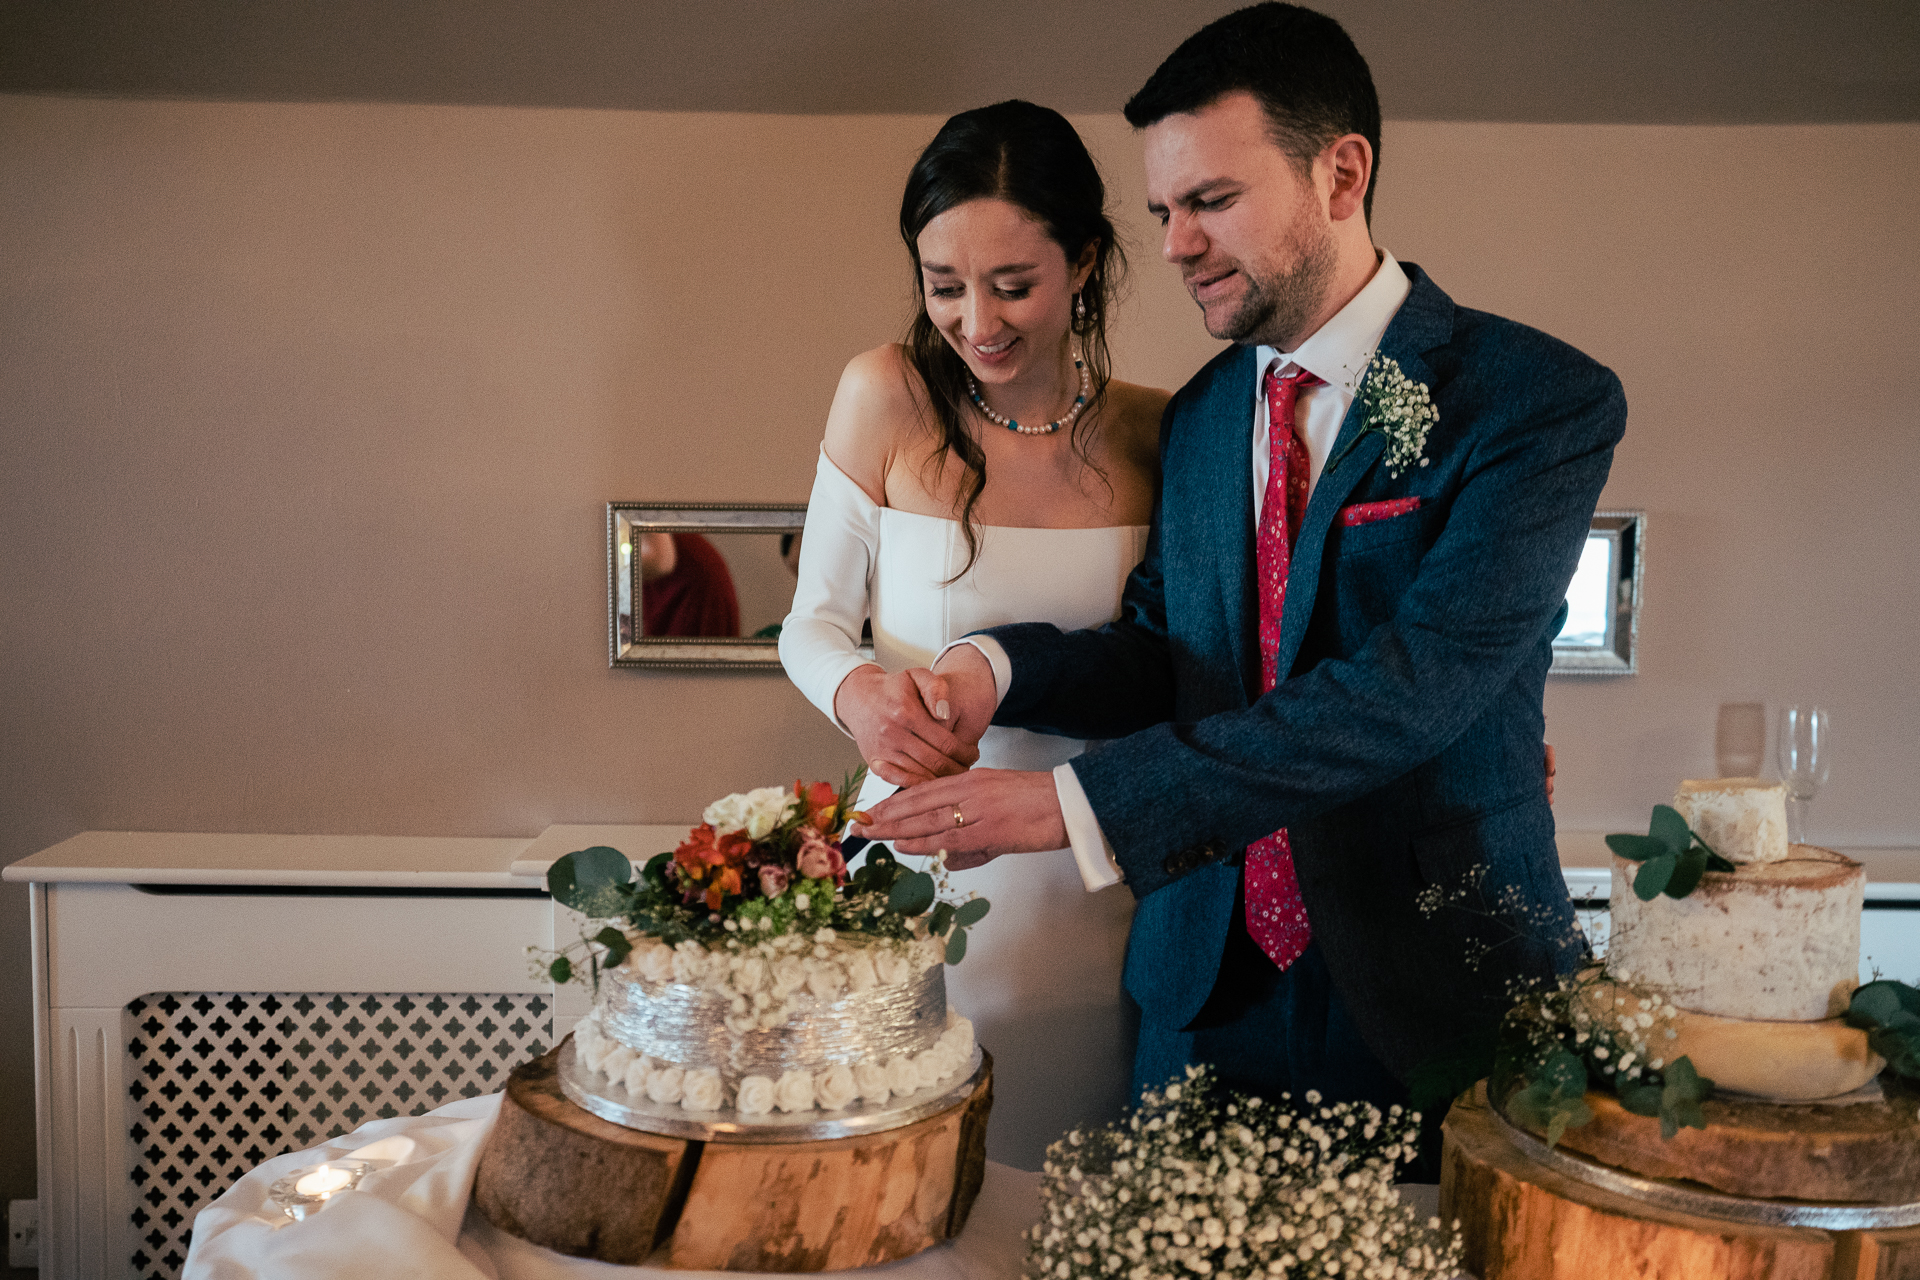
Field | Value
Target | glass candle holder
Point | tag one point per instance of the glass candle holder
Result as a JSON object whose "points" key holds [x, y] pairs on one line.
{"points": [[306, 1191]]}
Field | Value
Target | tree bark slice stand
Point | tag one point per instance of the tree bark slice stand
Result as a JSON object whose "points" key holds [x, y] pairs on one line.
{"points": [[1524, 1220], [559, 1176]]}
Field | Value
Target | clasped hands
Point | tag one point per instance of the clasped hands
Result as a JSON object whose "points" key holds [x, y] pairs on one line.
{"points": [[919, 730]]}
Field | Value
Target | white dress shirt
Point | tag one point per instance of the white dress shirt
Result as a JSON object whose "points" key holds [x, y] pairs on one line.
{"points": [[1338, 353]]}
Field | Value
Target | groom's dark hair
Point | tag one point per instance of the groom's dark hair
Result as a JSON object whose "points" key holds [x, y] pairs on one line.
{"points": [[1301, 66]]}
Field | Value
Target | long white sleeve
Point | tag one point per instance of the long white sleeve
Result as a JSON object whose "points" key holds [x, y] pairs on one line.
{"points": [[820, 639]]}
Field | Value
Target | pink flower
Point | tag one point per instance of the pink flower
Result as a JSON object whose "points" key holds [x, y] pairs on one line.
{"points": [[820, 858], [773, 881]]}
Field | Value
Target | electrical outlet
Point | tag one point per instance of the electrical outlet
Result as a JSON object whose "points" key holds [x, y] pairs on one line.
{"points": [[23, 1234]]}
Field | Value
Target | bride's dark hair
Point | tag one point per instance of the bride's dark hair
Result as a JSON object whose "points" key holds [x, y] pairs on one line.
{"points": [[1030, 157]]}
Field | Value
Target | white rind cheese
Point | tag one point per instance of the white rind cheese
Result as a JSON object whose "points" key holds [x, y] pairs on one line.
{"points": [[1778, 941], [1744, 819]]}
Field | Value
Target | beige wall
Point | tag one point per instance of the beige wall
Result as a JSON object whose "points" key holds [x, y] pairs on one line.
{"points": [[309, 413]]}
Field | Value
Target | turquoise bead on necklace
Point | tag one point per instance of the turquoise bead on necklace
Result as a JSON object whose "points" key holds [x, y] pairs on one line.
{"points": [[1065, 419]]}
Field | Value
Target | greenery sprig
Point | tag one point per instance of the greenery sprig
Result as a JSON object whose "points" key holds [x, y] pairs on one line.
{"points": [[1889, 1012], [1672, 856]]}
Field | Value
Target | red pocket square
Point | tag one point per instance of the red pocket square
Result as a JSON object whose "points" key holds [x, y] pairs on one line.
{"points": [[1368, 512]]}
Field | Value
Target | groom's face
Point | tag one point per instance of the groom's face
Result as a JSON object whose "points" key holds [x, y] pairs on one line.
{"points": [[1250, 233]]}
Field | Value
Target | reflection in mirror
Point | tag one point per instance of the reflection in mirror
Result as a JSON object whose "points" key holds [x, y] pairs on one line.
{"points": [[1603, 600], [695, 584]]}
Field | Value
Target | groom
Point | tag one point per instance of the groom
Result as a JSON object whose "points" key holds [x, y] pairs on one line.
{"points": [[1324, 780]]}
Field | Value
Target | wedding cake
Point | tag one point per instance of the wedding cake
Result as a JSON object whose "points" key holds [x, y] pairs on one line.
{"points": [[1758, 961], [757, 980]]}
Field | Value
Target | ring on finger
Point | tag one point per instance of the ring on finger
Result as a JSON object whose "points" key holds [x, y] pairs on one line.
{"points": [[959, 819]]}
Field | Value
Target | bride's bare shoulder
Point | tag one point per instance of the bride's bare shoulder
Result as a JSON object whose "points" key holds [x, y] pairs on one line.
{"points": [[874, 412]]}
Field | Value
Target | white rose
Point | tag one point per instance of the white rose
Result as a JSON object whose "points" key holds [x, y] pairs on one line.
{"points": [[789, 975], [690, 962], [767, 808], [902, 1079], [892, 968], [616, 1062], [750, 976], [586, 1034], [835, 1088], [596, 1052], [926, 1068], [636, 1076], [664, 1085], [961, 1029], [871, 1079], [654, 963], [794, 1092], [728, 813], [826, 981], [860, 974], [755, 1097], [702, 1091]]}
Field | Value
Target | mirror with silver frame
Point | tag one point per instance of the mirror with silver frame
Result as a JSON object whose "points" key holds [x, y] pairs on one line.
{"points": [[706, 585], [1602, 631], [699, 584]]}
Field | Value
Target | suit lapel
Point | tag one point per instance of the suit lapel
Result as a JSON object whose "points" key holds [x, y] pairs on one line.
{"points": [[1227, 487], [1424, 321]]}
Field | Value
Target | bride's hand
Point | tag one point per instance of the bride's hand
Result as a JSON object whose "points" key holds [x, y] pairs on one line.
{"points": [[903, 725]]}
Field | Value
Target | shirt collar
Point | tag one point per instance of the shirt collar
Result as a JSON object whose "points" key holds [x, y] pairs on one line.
{"points": [[1338, 351]]}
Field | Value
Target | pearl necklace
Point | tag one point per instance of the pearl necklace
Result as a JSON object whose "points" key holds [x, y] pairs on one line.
{"points": [[1065, 420]]}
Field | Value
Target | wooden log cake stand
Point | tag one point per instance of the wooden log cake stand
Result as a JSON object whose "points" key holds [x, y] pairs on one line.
{"points": [[1710, 1203], [560, 1176]]}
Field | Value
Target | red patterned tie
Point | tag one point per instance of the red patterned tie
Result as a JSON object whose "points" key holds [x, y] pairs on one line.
{"points": [[1276, 918]]}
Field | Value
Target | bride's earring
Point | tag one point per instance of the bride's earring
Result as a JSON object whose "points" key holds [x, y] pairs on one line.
{"points": [[1079, 310]]}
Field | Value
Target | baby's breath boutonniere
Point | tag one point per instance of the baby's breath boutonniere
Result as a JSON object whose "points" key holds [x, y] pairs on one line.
{"points": [[1398, 408]]}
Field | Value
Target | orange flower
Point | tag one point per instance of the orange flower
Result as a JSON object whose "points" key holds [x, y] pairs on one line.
{"points": [[821, 803], [704, 849], [725, 881]]}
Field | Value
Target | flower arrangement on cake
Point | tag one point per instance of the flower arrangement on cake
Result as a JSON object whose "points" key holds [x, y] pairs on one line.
{"points": [[1203, 1181], [752, 969]]}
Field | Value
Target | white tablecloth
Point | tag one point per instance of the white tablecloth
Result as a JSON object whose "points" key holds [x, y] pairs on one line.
{"points": [[410, 1218]]}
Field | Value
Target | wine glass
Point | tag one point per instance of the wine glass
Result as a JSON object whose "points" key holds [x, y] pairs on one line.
{"points": [[1805, 757], [1740, 739]]}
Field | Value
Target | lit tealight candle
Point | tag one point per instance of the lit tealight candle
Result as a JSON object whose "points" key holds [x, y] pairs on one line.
{"points": [[323, 1181]]}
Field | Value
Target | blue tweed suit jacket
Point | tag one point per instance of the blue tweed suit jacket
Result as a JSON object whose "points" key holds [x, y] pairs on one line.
{"points": [[1403, 750]]}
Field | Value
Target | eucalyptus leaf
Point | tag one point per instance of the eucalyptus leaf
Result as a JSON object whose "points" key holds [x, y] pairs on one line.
{"points": [[1682, 1091], [618, 948], [1670, 829], [1687, 870], [912, 894], [1715, 862], [972, 912], [1636, 848], [1651, 880], [1877, 1002], [942, 917], [1640, 1099], [591, 881], [561, 970], [957, 947]]}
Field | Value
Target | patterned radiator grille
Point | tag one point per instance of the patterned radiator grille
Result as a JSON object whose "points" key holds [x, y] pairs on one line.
{"points": [[223, 1081]]}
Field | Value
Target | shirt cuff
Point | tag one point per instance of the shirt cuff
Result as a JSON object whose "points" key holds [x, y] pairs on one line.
{"points": [[996, 658], [1091, 851]]}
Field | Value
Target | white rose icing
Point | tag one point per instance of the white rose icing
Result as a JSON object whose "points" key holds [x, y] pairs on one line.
{"points": [[616, 1062], [635, 1077], [702, 1091], [834, 1088], [664, 1085], [690, 962], [654, 963], [794, 1092], [755, 1097], [902, 1079], [871, 1079], [860, 974]]}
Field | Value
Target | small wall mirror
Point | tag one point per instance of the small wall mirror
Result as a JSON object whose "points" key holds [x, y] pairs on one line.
{"points": [[699, 584], [1603, 601]]}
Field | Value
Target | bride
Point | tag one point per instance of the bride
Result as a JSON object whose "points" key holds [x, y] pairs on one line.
{"points": [[989, 470]]}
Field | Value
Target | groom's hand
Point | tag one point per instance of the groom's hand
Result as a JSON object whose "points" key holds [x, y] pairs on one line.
{"points": [[974, 817], [904, 725]]}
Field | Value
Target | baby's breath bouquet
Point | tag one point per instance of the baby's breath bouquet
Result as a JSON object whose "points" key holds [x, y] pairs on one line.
{"points": [[1199, 1181]]}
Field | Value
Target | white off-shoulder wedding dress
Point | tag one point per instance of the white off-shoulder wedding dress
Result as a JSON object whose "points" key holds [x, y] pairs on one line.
{"points": [[1041, 978]]}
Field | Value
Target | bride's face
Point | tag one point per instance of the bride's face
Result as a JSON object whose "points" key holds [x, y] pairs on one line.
{"points": [[999, 290]]}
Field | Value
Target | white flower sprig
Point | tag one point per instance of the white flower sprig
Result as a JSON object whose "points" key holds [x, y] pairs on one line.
{"points": [[1201, 1182], [1397, 407]]}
